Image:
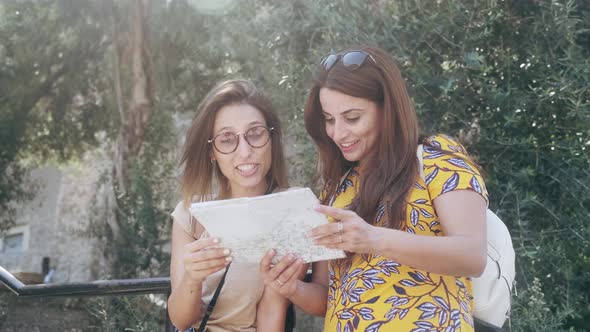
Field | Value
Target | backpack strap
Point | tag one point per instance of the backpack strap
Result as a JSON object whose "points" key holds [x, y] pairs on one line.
{"points": [[420, 161]]}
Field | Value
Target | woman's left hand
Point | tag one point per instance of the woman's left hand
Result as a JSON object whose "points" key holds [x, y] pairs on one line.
{"points": [[283, 276], [349, 232]]}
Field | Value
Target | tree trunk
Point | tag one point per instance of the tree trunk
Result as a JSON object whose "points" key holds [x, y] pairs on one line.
{"points": [[134, 109], [136, 114]]}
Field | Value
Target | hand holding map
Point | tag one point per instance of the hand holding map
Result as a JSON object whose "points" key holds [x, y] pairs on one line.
{"points": [[253, 225]]}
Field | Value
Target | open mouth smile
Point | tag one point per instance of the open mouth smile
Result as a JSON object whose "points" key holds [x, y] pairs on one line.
{"points": [[247, 169]]}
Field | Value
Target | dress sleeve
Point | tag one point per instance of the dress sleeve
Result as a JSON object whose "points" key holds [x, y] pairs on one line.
{"points": [[448, 167], [182, 217]]}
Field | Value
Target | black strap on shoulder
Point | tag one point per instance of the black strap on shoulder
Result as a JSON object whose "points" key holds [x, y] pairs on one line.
{"points": [[213, 302]]}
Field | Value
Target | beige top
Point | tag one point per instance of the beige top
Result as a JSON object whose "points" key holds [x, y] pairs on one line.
{"points": [[236, 305]]}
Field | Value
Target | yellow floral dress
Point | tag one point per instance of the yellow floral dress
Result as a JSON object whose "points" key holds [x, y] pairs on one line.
{"points": [[373, 293]]}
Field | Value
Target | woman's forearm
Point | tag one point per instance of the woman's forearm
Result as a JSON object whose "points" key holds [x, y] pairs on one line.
{"points": [[311, 297], [451, 255], [271, 312], [184, 304]]}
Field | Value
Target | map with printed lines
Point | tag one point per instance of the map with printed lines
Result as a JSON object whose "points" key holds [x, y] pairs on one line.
{"points": [[251, 226]]}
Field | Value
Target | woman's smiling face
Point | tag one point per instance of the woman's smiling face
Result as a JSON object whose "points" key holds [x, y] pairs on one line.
{"points": [[351, 123], [246, 167]]}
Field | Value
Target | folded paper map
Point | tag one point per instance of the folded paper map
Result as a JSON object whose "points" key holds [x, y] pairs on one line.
{"points": [[253, 225]]}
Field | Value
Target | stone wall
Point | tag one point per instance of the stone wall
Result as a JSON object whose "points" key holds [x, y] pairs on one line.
{"points": [[37, 220], [56, 222], [78, 253]]}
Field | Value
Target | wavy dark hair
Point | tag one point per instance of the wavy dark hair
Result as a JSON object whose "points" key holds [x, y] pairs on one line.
{"points": [[197, 170], [390, 170]]}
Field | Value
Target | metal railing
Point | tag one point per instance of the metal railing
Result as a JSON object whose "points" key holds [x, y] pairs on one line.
{"points": [[105, 288], [93, 288]]}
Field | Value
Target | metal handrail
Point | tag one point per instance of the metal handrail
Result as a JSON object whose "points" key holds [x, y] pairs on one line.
{"points": [[159, 285]]}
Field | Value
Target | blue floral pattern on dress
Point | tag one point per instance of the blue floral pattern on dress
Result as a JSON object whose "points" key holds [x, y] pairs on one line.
{"points": [[374, 293]]}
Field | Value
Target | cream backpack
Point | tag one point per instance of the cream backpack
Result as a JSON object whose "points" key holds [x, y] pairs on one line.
{"points": [[492, 290]]}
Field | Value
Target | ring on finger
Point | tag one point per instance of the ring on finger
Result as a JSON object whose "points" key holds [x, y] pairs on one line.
{"points": [[280, 282], [340, 227]]}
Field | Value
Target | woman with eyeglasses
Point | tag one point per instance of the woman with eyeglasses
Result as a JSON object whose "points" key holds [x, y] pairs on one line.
{"points": [[413, 241], [233, 149]]}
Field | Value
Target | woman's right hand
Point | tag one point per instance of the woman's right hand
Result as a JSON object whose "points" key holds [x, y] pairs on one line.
{"points": [[203, 257]]}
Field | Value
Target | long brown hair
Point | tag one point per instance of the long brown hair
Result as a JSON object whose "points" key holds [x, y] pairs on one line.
{"points": [[391, 168], [197, 169]]}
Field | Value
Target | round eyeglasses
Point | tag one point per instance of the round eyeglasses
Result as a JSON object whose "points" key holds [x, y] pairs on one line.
{"points": [[227, 142]]}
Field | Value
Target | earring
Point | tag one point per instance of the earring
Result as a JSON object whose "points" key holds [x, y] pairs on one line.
{"points": [[213, 161]]}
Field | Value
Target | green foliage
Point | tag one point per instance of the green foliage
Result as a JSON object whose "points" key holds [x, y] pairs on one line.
{"points": [[144, 211], [140, 313], [187, 58], [12, 174], [532, 308], [51, 55], [50, 106]]}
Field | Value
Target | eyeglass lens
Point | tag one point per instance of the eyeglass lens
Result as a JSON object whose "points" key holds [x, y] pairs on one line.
{"points": [[353, 60], [228, 142], [329, 61]]}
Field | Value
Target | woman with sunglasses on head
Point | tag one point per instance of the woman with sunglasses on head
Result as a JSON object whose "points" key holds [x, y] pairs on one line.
{"points": [[413, 241], [235, 139]]}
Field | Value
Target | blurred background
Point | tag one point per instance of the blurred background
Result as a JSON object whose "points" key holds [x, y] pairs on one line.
{"points": [[96, 95]]}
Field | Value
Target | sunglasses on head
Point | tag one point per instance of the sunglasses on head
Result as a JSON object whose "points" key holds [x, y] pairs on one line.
{"points": [[351, 60]]}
